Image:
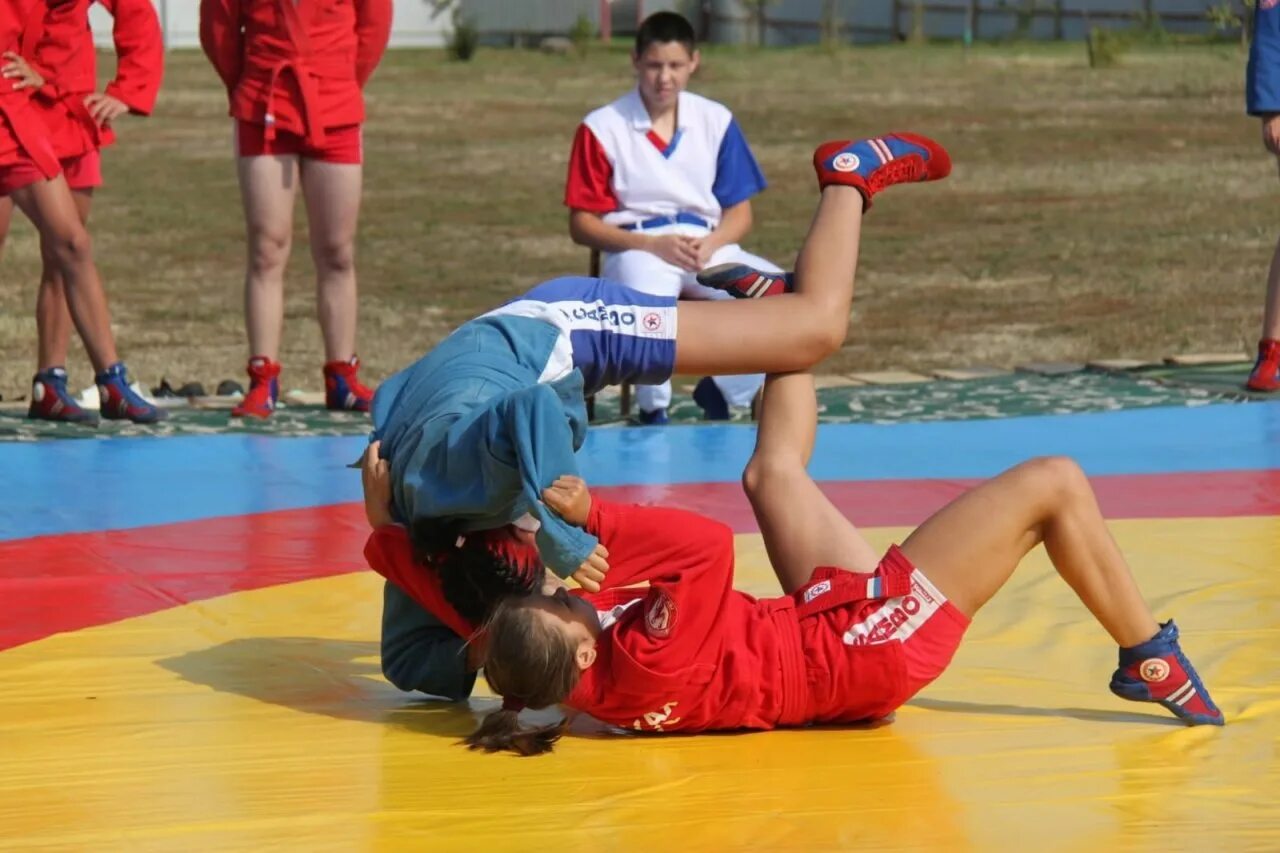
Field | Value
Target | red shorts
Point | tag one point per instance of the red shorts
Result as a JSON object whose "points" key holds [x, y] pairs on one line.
{"points": [[341, 144], [84, 171], [22, 171], [924, 622], [18, 175], [867, 654]]}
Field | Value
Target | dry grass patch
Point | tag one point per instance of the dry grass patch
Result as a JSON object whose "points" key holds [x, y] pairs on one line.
{"points": [[1090, 215]]}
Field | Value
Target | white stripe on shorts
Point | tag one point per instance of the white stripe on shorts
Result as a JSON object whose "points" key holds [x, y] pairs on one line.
{"points": [[898, 618]]}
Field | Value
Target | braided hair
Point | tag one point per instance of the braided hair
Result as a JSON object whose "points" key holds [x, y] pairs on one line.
{"points": [[530, 664]]}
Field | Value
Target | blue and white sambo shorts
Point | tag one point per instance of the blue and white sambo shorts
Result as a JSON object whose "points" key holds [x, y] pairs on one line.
{"points": [[611, 333]]}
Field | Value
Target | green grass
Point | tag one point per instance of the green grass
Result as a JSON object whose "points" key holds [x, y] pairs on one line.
{"points": [[1124, 212]]}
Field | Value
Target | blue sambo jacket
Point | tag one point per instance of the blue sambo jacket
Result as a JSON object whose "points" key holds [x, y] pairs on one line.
{"points": [[471, 433], [1262, 77]]}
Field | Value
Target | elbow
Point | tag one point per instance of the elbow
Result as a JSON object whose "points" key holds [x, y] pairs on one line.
{"points": [[576, 232]]}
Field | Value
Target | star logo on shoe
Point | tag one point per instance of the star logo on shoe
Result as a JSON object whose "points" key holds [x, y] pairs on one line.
{"points": [[846, 161], [1153, 669]]}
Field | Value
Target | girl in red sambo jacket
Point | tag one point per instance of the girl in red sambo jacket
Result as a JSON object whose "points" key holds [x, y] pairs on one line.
{"points": [[59, 63], [690, 653]]}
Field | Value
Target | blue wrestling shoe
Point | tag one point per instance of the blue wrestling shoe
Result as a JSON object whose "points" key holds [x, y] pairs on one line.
{"points": [[50, 400], [871, 165], [118, 402], [658, 417], [1158, 671], [710, 399], [746, 282]]}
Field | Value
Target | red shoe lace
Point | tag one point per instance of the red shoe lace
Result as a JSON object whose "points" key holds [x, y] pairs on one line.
{"points": [[900, 171]]}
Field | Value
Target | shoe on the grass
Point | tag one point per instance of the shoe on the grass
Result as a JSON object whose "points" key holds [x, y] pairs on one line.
{"points": [[874, 164], [50, 400], [119, 402], [710, 399], [746, 282], [343, 391], [1265, 375], [655, 417], [264, 389], [1158, 671]]}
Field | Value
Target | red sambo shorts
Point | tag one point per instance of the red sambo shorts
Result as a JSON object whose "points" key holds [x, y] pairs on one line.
{"points": [[341, 144], [873, 640], [84, 171], [15, 176]]}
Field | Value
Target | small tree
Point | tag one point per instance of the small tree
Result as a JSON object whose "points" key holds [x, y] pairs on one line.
{"points": [[465, 37]]}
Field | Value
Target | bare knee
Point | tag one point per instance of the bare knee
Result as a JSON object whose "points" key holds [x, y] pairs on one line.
{"points": [[68, 249], [768, 474], [825, 337], [268, 252], [1057, 480], [335, 259]]}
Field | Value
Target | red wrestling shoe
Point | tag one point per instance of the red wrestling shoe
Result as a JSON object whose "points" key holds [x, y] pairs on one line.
{"points": [[264, 389], [343, 390], [1266, 371], [871, 165]]}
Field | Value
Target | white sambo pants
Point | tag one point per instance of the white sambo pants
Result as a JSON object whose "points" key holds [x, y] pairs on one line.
{"points": [[648, 273]]}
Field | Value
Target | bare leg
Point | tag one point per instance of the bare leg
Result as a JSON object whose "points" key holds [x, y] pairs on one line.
{"points": [[1271, 313], [6, 216], [52, 209], [790, 332], [801, 528], [268, 186], [970, 547], [53, 318], [332, 193]]}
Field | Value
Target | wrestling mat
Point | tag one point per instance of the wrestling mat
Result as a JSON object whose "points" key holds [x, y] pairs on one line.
{"points": [[189, 660]]}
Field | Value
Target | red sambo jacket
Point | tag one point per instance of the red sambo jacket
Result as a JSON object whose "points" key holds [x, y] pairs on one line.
{"points": [[64, 54], [690, 653], [23, 135], [295, 65]]}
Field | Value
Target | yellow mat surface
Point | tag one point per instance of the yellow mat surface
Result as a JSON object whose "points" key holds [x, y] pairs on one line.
{"points": [[260, 720]]}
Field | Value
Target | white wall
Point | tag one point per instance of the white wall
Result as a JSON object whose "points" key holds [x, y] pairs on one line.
{"points": [[414, 26]]}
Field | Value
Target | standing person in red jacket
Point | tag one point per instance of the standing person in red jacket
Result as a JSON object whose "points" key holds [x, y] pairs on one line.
{"points": [[32, 177], [79, 119], [295, 71], [692, 654]]}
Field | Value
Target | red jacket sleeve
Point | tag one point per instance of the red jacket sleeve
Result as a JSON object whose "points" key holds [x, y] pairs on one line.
{"points": [[390, 554], [222, 38], [589, 185], [373, 31], [139, 51], [687, 560]]}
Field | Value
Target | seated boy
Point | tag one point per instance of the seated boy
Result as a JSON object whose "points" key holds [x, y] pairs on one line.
{"points": [[661, 181]]}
